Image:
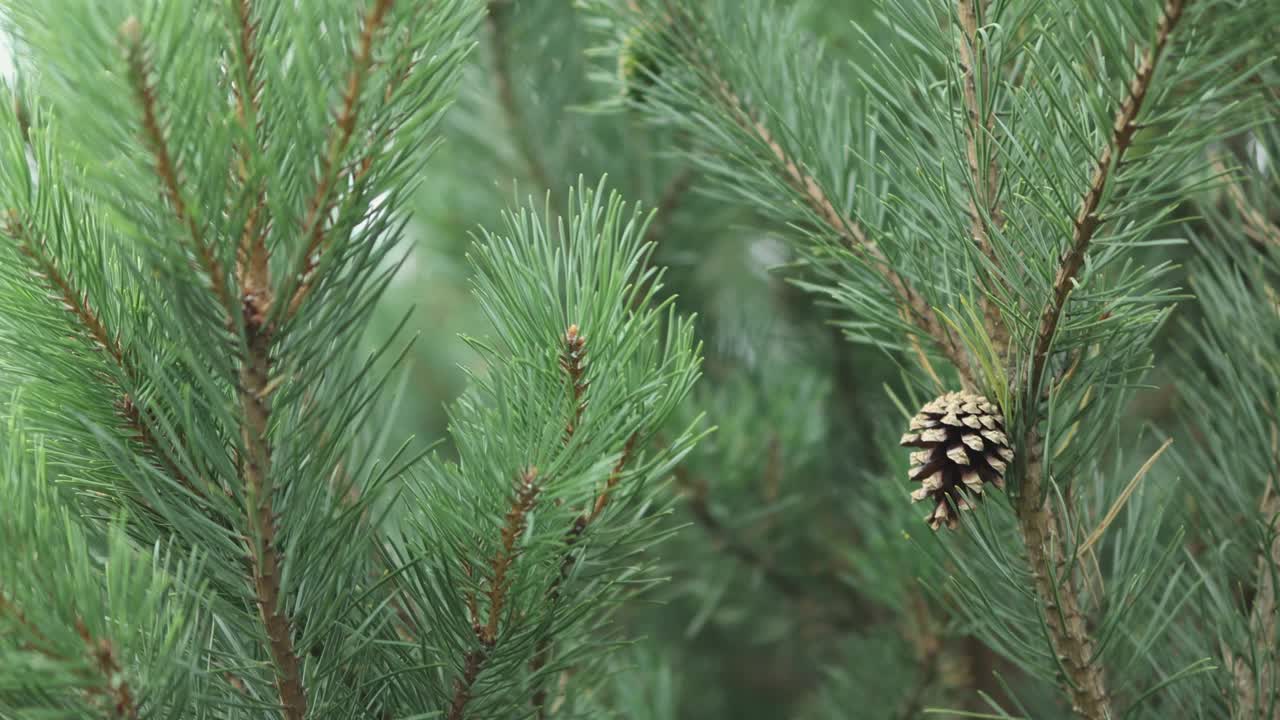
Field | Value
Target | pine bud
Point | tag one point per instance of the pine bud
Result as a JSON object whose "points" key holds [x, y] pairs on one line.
{"points": [[964, 448]]}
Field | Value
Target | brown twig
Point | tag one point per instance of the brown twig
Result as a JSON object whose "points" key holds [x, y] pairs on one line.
{"points": [[542, 654], [499, 41], [674, 193], [914, 702], [602, 499], [676, 190], [249, 90], [984, 204], [913, 307], [1257, 226], [517, 518], [169, 174], [73, 300], [462, 686], [1087, 222], [76, 302], [110, 683], [7, 607], [322, 200], [252, 259], [115, 687], [264, 555], [254, 393], [1068, 630], [1256, 682]]}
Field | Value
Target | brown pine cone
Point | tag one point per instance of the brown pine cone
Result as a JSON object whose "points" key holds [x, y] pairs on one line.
{"points": [[963, 448]]}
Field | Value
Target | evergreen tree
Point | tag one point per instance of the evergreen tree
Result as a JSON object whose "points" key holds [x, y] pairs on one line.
{"points": [[302, 420]]}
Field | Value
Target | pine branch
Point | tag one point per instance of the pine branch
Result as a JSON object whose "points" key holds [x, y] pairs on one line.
{"points": [[7, 607], [104, 682], [1041, 530], [542, 654], [915, 700], [167, 171], [266, 559], [72, 299], [1257, 226], [1255, 686], [77, 304], [724, 538], [254, 391], [912, 305], [1087, 222], [115, 688], [248, 91], [1069, 634], [980, 127], [522, 503], [463, 685], [328, 179], [500, 42], [675, 192], [517, 518], [252, 261]]}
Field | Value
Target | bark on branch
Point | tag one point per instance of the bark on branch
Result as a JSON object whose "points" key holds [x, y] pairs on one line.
{"points": [[1257, 678], [1069, 633], [514, 524]]}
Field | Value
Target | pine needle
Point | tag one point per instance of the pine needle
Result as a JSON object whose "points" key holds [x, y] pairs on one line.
{"points": [[1120, 501]]}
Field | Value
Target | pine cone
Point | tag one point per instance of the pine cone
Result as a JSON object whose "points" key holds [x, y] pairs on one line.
{"points": [[964, 448]]}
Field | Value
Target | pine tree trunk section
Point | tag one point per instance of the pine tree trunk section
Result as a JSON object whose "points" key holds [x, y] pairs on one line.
{"points": [[1069, 636]]}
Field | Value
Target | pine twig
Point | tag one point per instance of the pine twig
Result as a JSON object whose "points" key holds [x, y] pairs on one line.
{"points": [[1087, 221], [115, 687], [1041, 530], [984, 202], [913, 307], [327, 181], [1256, 686], [76, 302], [167, 171], [254, 394], [674, 193], [701, 509], [517, 518], [915, 700], [542, 654], [1257, 226], [109, 682], [496, 18], [462, 686], [255, 383], [265, 557], [724, 538], [252, 261]]}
